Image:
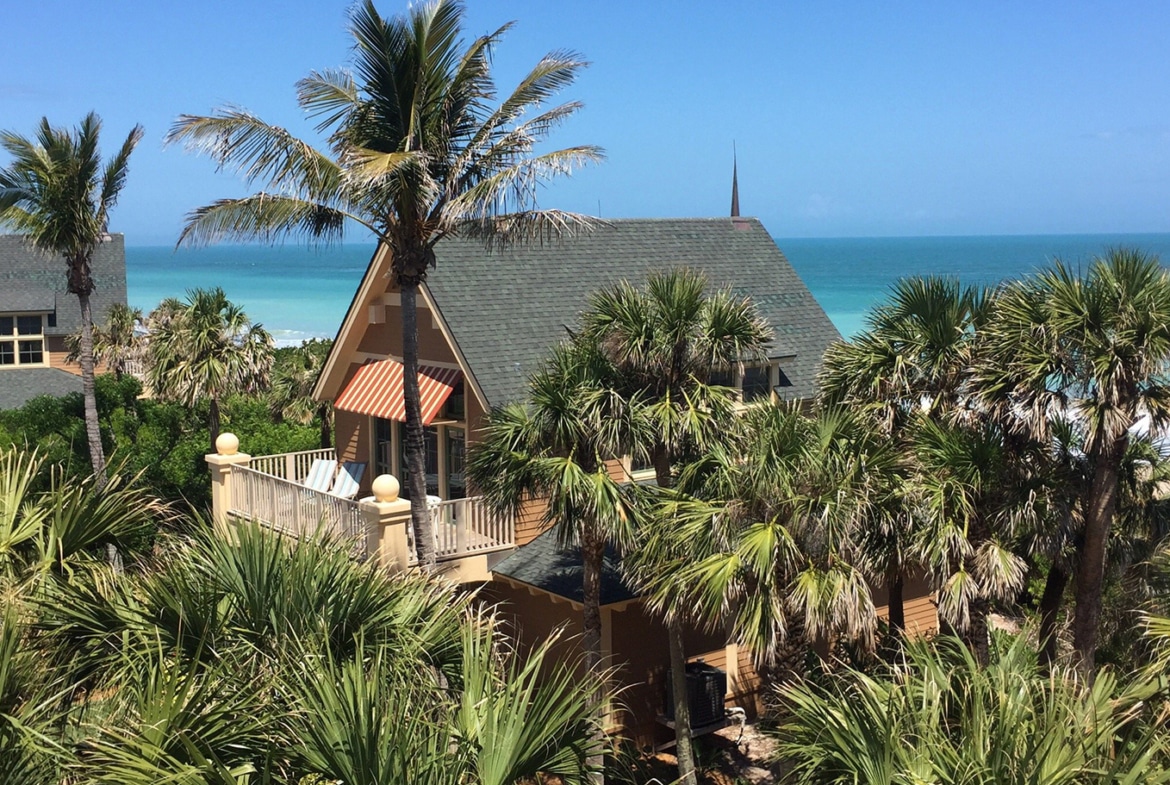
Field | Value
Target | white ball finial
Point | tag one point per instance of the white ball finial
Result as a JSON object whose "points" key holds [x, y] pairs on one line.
{"points": [[227, 444], [385, 488]]}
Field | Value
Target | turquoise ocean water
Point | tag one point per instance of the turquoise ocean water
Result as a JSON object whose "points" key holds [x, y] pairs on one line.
{"points": [[298, 293]]}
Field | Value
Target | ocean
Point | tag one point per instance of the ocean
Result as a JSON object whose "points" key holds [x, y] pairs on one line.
{"points": [[299, 293]]}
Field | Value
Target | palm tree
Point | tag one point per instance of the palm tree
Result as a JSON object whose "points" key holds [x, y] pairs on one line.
{"points": [[976, 497], [554, 448], [774, 521], [57, 192], [911, 360], [117, 342], [417, 152], [1096, 345], [206, 349], [665, 339], [294, 376]]}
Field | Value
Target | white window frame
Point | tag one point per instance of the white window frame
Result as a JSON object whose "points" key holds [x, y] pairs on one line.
{"points": [[15, 340]]}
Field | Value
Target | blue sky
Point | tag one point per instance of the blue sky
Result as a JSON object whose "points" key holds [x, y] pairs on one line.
{"points": [[850, 119]]}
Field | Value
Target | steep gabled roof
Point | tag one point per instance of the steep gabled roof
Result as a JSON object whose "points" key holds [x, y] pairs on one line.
{"points": [[32, 281], [506, 309]]}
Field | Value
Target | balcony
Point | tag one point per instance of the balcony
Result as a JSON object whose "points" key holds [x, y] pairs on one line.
{"points": [[270, 489]]}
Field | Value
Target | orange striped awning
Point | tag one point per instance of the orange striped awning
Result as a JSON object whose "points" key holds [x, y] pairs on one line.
{"points": [[377, 390]]}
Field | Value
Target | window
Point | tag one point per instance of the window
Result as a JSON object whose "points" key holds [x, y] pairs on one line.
{"points": [[757, 383], [782, 381], [456, 461], [430, 460], [640, 463], [724, 378], [22, 339], [454, 409]]}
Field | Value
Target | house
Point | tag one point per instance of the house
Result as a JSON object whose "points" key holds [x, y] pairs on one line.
{"points": [[37, 313], [486, 322]]}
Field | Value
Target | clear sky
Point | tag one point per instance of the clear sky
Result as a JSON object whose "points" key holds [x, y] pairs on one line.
{"points": [[850, 118]]}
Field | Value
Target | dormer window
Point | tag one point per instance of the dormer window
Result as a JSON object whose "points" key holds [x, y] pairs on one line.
{"points": [[22, 339], [757, 382]]}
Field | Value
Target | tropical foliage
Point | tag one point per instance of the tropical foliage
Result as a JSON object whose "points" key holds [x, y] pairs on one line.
{"points": [[164, 442], [939, 715], [294, 375], [555, 447], [57, 192], [1095, 347], [664, 340], [419, 149], [235, 655], [118, 342], [205, 349]]}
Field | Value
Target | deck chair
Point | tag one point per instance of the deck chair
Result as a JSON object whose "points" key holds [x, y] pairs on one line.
{"points": [[320, 475], [348, 479]]}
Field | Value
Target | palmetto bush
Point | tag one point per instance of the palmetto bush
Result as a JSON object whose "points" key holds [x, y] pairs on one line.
{"points": [[938, 717], [234, 655]]}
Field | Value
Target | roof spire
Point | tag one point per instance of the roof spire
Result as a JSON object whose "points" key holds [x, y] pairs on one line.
{"points": [[734, 184]]}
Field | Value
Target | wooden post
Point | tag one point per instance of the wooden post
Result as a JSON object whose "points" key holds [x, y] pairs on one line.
{"points": [[221, 463]]}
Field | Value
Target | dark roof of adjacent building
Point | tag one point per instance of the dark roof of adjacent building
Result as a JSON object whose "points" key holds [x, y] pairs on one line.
{"points": [[20, 385], [33, 281], [507, 308], [544, 564]]}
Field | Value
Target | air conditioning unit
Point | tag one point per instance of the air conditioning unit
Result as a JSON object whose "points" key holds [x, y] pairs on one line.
{"points": [[706, 687]]}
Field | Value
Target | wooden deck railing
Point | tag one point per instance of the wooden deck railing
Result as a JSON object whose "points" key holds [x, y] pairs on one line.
{"points": [[269, 490], [292, 508], [465, 527], [291, 466]]}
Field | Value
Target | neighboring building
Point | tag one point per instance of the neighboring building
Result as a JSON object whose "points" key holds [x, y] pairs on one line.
{"points": [[486, 322], [37, 313]]}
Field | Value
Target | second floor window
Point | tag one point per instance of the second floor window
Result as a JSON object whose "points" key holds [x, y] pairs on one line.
{"points": [[22, 339], [757, 383]]}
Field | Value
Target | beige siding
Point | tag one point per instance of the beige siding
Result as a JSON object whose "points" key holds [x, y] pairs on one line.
{"points": [[917, 604], [386, 338], [530, 520]]}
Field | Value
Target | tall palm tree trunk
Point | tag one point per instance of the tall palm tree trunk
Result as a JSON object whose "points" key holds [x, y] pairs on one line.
{"points": [[420, 516], [592, 555], [1102, 502], [682, 706], [977, 634], [678, 655], [1054, 586], [326, 428], [896, 588], [213, 421], [93, 433]]}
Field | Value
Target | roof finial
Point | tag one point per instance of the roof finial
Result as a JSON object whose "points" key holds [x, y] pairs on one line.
{"points": [[734, 183]]}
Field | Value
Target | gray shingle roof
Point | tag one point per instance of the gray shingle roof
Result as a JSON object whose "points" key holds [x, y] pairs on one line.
{"points": [[29, 278], [19, 385], [506, 309], [541, 563]]}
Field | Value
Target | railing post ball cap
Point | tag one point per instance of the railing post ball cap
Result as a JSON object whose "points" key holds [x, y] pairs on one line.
{"points": [[227, 444], [385, 488]]}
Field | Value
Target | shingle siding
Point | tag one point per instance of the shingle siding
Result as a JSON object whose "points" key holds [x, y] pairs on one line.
{"points": [[506, 309]]}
